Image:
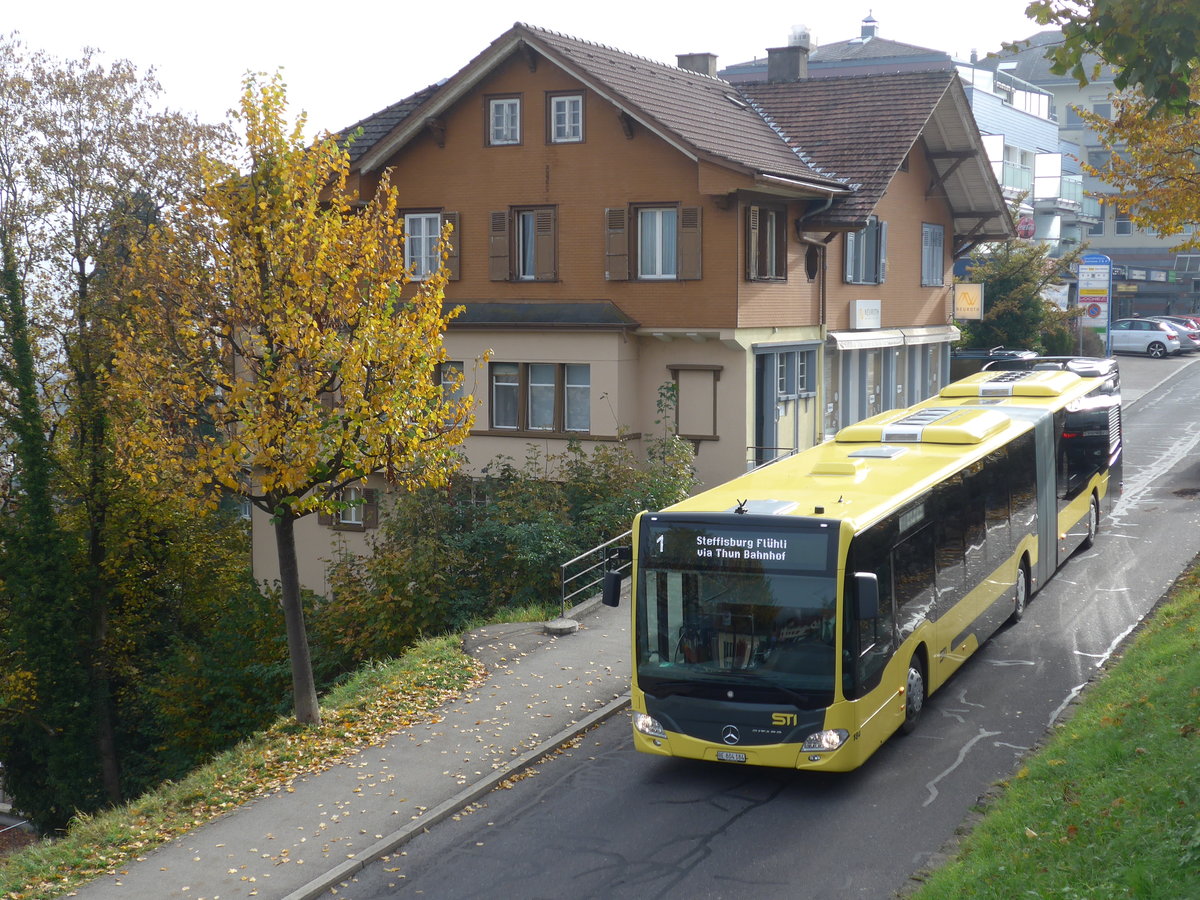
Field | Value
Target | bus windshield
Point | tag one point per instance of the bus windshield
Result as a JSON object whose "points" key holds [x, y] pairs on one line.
{"points": [[737, 602]]}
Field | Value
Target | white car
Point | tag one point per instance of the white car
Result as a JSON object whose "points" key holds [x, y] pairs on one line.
{"points": [[1155, 339]]}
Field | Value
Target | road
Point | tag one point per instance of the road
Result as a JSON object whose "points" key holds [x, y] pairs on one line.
{"points": [[603, 821]]}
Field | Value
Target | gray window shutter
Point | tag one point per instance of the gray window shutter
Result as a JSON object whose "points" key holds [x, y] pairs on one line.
{"points": [[498, 253], [452, 258], [544, 241], [882, 252], [752, 239], [616, 244], [689, 243]]}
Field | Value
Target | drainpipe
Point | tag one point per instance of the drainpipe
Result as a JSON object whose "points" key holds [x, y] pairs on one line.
{"points": [[820, 246]]}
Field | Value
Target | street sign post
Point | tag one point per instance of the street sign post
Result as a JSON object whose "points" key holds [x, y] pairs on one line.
{"points": [[1095, 294]]}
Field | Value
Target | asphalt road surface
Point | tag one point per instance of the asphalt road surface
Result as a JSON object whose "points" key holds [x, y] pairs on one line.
{"points": [[600, 820]]}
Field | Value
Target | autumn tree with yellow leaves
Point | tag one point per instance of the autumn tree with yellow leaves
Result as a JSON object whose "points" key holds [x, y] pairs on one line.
{"points": [[279, 349], [1153, 165]]}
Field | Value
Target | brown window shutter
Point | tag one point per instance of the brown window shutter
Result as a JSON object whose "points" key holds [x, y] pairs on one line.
{"points": [[752, 238], [498, 253], [616, 246], [452, 256], [370, 514], [326, 519], [689, 243], [544, 241]]}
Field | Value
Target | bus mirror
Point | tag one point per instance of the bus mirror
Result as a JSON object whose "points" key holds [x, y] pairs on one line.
{"points": [[866, 595], [618, 555], [612, 589]]}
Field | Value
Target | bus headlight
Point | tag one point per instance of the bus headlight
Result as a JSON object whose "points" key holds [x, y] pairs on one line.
{"points": [[648, 725], [826, 740]]}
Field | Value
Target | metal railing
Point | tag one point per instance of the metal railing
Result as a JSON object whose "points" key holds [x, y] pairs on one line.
{"points": [[757, 457], [581, 576]]}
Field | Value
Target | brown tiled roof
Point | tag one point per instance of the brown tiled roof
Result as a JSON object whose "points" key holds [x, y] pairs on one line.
{"points": [[367, 132], [707, 114], [862, 127], [702, 116]]}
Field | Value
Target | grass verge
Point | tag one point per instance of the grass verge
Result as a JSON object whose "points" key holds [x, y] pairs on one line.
{"points": [[1110, 807], [377, 701]]}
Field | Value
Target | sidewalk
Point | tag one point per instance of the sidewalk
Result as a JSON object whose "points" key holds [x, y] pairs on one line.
{"points": [[299, 842], [541, 692]]}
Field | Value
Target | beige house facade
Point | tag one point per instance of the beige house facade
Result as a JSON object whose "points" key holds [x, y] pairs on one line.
{"points": [[778, 255]]}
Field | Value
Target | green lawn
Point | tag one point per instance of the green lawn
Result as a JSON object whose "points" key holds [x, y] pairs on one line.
{"points": [[1110, 807]]}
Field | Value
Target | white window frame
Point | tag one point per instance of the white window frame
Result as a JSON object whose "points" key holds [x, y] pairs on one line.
{"points": [[933, 255], [525, 228], [422, 231], [352, 514], [540, 396], [566, 118], [785, 384], [658, 243], [504, 121], [510, 389], [577, 397]]}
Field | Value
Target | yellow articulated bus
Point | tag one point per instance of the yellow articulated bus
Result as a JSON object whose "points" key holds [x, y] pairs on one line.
{"points": [[799, 615]]}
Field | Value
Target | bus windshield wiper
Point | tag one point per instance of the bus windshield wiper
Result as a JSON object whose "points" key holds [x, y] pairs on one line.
{"points": [[666, 688], [802, 698]]}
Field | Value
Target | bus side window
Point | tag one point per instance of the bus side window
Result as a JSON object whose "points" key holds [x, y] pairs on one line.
{"points": [[913, 560]]}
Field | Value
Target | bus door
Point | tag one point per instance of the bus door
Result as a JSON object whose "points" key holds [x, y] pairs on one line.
{"points": [[870, 644]]}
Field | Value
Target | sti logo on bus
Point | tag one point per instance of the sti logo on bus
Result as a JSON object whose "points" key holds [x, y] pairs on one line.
{"points": [[783, 719]]}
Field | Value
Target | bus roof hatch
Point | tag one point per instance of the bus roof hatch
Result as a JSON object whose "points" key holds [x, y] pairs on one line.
{"points": [[933, 425], [1035, 383]]}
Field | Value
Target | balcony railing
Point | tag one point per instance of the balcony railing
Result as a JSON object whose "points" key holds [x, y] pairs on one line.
{"points": [[1092, 209], [1014, 176]]}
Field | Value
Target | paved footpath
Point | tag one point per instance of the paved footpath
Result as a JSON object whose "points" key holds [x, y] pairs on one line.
{"points": [[300, 841]]}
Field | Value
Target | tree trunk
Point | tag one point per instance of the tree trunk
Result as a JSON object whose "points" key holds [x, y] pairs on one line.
{"points": [[304, 690], [92, 442]]}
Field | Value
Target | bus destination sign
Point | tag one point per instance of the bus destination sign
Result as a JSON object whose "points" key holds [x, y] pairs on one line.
{"points": [[712, 545]]}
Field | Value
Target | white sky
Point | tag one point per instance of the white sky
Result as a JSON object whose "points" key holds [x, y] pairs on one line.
{"points": [[344, 61]]}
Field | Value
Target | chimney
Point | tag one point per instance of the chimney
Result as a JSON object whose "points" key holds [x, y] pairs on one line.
{"points": [[870, 27], [703, 63], [787, 64]]}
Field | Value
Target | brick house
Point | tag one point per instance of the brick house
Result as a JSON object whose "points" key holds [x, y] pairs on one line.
{"points": [[780, 253]]}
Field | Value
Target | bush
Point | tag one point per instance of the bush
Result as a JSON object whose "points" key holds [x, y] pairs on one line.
{"points": [[444, 558]]}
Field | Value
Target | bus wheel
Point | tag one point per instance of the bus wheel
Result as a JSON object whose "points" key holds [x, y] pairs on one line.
{"points": [[914, 695], [1093, 523], [1020, 593]]}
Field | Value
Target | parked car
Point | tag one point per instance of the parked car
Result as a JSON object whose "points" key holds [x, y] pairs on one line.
{"points": [[1191, 322], [1189, 337], [1155, 339]]}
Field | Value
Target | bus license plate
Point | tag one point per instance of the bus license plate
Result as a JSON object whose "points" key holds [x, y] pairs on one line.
{"points": [[730, 756]]}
